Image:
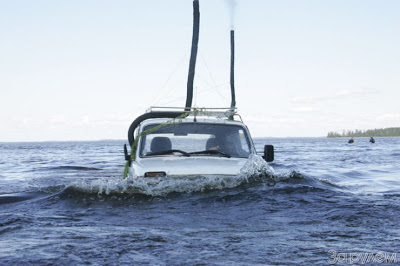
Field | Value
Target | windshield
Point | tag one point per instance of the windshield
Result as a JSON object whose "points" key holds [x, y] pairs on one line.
{"points": [[196, 139]]}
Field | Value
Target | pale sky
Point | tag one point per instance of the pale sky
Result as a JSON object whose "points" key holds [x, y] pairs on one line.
{"points": [[84, 70]]}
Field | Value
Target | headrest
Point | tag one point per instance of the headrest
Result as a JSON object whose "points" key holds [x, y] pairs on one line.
{"points": [[211, 143], [160, 144]]}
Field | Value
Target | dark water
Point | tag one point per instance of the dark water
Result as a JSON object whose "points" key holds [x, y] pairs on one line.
{"points": [[330, 197]]}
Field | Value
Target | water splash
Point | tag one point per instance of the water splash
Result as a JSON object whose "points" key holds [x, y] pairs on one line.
{"points": [[256, 166], [254, 170]]}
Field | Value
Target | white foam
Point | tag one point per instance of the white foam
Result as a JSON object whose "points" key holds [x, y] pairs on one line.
{"points": [[254, 168]]}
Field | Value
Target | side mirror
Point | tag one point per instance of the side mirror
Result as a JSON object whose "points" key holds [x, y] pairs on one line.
{"points": [[268, 153], [127, 156]]}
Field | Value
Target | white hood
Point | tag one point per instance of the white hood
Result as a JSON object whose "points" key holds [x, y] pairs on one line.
{"points": [[182, 166]]}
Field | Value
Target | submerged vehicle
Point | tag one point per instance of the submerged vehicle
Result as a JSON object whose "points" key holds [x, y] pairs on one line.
{"points": [[199, 142], [185, 142]]}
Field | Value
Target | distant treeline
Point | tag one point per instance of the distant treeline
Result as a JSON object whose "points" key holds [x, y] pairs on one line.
{"points": [[383, 132]]}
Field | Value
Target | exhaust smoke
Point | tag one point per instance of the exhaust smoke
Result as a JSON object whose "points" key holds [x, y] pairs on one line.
{"points": [[231, 4]]}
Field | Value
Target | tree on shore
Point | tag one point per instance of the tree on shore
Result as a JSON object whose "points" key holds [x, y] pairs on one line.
{"points": [[383, 132]]}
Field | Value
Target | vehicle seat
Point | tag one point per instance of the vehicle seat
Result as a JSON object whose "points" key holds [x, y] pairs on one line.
{"points": [[211, 143], [160, 144]]}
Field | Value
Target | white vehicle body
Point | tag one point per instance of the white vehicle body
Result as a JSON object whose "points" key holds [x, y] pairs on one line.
{"points": [[192, 146]]}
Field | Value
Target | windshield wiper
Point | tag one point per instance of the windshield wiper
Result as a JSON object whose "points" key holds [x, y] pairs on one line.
{"points": [[168, 152], [212, 152]]}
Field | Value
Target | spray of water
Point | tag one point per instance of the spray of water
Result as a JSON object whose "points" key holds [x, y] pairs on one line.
{"points": [[255, 170]]}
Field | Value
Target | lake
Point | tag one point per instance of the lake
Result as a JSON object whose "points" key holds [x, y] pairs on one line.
{"points": [[328, 202]]}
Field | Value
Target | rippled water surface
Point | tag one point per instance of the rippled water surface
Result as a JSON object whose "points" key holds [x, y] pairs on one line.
{"points": [[66, 203]]}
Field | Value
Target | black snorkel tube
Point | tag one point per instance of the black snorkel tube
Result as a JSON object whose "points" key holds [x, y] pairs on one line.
{"points": [[193, 54], [232, 78]]}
